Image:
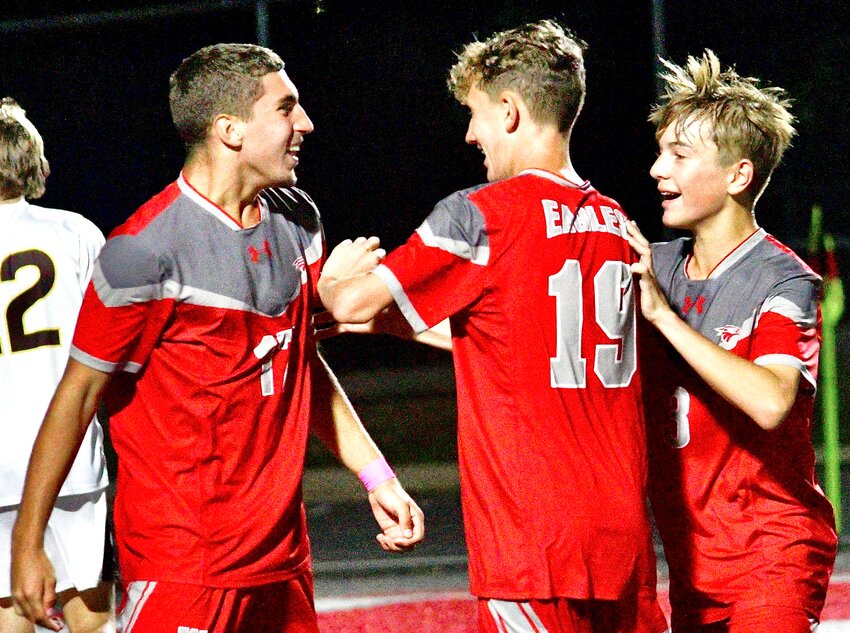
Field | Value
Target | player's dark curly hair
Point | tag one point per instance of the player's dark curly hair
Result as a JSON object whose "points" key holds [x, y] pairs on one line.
{"points": [[218, 79], [542, 61], [23, 167]]}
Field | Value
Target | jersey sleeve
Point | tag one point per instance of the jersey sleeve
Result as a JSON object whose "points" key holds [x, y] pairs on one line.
{"points": [[787, 331], [126, 306], [442, 268]]}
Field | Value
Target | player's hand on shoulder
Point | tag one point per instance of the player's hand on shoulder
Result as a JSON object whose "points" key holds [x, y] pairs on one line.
{"points": [[653, 303], [402, 522]]}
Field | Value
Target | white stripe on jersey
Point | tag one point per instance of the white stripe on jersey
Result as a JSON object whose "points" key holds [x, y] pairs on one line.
{"points": [[401, 299], [475, 254], [788, 309], [515, 617], [138, 593], [788, 360]]}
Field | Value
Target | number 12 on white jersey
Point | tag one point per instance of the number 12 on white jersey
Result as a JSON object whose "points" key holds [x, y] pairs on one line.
{"points": [[613, 300]]}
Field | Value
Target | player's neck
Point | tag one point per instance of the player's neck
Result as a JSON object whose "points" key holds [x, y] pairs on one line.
{"points": [[714, 241], [224, 188], [548, 150], [11, 200]]}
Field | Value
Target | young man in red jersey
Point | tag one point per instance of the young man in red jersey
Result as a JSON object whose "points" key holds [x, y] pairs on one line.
{"points": [[197, 328], [747, 532], [533, 272]]}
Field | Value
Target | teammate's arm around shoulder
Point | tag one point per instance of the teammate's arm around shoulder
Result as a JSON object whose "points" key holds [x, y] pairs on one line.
{"points": [[70, 412], [765, 393]]}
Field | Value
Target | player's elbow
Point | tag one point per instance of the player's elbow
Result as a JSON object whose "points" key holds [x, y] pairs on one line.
{"points": [[770, 414], [352, 305]]}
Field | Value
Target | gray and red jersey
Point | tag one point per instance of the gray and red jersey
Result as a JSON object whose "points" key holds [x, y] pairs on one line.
{"points": [[207, 326], [534, 273], [743, 520]]}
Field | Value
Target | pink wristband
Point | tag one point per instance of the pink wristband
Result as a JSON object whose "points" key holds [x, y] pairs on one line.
{"points": [[375, 473]]}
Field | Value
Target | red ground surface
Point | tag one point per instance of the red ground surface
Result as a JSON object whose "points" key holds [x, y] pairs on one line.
{"points": [[451, 613]]}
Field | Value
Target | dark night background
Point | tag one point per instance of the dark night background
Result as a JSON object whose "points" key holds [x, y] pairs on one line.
{"points": [[388, 142]]}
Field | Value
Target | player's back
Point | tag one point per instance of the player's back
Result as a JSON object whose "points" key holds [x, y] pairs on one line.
{"points": [[46, 258], [549, 400]]}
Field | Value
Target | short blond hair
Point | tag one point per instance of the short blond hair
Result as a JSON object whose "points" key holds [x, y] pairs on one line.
{"points": [[542, 61], [23, 167], [746, 121]]}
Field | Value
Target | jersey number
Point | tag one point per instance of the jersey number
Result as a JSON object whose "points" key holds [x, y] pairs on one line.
{"points": [[680, 436], [613, 297], [9, 267]]}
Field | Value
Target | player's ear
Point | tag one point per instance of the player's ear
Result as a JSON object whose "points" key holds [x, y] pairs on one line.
{"points": [[741, 174], [228, 130], [511, 105]]}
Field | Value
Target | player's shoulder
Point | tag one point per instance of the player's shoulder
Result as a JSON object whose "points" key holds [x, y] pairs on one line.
{"points": [[69, 224], [294, 204], [782, 260]]}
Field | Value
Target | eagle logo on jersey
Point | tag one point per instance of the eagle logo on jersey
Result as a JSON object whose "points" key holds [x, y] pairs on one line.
{"points": [[729, 335]]}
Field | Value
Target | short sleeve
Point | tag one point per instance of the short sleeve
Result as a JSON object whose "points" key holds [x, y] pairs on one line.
{"points": [[442, 268], [787, 331]]}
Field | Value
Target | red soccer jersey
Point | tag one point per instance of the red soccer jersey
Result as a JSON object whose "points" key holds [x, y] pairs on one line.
{"points": [[211, 324], [743, 521], [534, 272]]}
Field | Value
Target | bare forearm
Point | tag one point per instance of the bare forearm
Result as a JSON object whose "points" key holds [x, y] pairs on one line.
{"points": [[765, 394], [337, 425], [56, 446], [354, 299]]}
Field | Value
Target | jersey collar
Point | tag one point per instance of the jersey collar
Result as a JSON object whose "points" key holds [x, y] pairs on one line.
{"points": [[735, 255], [212, 208], [542, 173]]}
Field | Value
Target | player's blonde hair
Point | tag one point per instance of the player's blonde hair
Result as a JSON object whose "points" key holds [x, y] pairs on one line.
{"points": [[746, 121], [542, 61], [23, 167]]}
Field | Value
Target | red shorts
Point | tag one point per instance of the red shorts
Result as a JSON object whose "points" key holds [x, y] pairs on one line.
{"points": [[167, 607], [760, 620], [564, 615]]}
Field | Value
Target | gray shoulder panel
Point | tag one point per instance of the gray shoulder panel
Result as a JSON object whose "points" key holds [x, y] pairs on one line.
{"points": [[457, 226]]}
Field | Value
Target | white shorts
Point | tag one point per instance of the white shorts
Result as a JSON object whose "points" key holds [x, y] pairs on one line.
{"points": [[74, 541]]}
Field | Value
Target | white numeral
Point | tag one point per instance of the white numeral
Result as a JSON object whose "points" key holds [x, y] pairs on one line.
{"points": [[264, 349], [615, 363]]}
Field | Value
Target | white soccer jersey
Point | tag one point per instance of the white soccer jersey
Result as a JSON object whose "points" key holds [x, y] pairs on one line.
{"points": [[46, 259]]}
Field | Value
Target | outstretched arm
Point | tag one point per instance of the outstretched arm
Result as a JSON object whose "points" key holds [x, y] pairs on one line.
{"points": [[69, 415], [736, 379], [390, 320], [335, 422]]}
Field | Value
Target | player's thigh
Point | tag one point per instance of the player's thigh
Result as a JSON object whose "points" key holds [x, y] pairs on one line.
{"points": [[568, 616], [11, 622], [164, 607], [771, 620], [91, 610]]}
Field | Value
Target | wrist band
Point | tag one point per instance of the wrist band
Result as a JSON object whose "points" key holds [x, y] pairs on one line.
{"points": [[375, 473]]}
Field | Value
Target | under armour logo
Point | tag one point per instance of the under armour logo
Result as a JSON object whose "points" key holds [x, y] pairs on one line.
{"points": [[699, 304], [255, 254]]}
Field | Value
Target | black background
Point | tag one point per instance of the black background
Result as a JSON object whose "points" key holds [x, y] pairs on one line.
{"points": [[388, 142]]}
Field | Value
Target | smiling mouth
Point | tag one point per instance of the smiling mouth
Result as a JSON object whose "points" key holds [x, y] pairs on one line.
{"points": [[666, 196]]}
